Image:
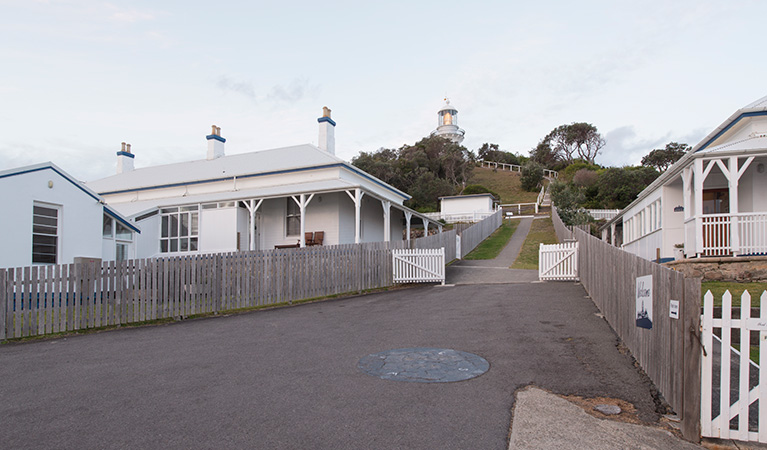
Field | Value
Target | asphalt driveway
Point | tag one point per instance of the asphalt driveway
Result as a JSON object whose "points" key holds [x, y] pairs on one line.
{"points": [[288, 378]]}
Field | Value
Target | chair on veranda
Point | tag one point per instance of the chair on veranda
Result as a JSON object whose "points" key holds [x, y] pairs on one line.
{"points": [[308, 238], [318, 237]]}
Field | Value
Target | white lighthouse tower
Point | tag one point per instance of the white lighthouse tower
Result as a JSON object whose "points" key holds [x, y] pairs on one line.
{"points": [[447, 125]]}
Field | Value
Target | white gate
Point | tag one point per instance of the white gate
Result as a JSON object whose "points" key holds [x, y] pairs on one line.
{"points": [[558, 261], [419, 265], [731, 382]]}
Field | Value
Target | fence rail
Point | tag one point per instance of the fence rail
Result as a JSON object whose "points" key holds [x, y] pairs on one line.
{"points": [[49, 299]]}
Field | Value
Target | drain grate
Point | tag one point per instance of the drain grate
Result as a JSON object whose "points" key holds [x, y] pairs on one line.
{"points": [[424, 365]]}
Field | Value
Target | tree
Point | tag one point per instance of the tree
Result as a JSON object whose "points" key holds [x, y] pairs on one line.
{"points": [[532, 176], [579, 139], [431, 168], [544, 155], [663, 158], [491, 152], [569, 202], [619, 186]]}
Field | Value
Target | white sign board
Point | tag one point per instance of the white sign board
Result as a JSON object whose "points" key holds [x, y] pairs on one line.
{"points": [[673, 309], [643, 291]]}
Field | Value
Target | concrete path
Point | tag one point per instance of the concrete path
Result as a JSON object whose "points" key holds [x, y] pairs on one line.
{"points": [[495, 271], [289, 379], [542, 420]]}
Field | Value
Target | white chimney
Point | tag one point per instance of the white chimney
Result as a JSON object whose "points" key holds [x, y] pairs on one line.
{"points": [[215, 143], [327, 139], [124, 159]]}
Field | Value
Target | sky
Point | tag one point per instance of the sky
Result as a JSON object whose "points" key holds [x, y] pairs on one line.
{"points": [[79, 77]]}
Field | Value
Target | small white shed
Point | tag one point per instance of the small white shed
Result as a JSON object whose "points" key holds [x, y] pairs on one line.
{"points": [[467, 208], [51, 218]]}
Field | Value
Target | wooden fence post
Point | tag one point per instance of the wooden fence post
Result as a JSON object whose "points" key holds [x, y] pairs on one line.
{"points": [[692, 360], [3, 302]]}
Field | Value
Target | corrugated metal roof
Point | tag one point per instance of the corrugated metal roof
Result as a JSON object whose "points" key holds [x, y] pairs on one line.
{"points": [[274, 160]]}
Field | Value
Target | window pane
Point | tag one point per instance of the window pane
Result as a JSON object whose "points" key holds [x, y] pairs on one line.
{"points": [[189, 208], [44, 220], [193, 244], [184, 225], [184, 247], [121, 252], [43, 211], [164, 246], [168, 210], [165, 226], [194, 224], [43, 259], [107, 228], [123, 232], [174, 225], [174, 245], [41, 229]]}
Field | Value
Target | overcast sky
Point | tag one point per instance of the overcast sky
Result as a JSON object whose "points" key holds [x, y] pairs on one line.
{"points": [[79, 77]]}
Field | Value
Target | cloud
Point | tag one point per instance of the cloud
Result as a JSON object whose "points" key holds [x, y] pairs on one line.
{"points": [[241, 87], [624, 147], [295, 91]]}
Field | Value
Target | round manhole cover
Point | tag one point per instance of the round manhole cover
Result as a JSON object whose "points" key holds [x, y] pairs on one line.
{"points": [[424, 365]]}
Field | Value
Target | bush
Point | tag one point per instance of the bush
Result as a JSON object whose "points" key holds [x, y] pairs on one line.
{"points": [[478, 189], [585, 178], [532, 176]]}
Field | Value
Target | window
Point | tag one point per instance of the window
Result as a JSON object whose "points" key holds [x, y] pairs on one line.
{"points": [[122, 235], [293, 221], [45, 234], [179, 229], [107, 228]]}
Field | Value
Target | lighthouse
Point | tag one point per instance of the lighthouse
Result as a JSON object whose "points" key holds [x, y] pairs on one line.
{"points": [[447, 123]]}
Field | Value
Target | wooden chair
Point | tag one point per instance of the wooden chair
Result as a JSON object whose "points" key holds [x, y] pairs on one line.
{"points": [[309, 238], [319, 236]]}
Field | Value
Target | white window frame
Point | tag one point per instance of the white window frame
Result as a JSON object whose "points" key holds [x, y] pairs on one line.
{"points": [[57, 235], [192, 238], [292, 215]]}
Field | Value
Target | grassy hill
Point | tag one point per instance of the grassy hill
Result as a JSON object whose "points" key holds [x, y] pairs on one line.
{"points": [[505, 183]]}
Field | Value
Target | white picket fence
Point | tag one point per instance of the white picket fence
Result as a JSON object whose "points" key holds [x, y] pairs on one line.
{"points": [[419, 265], [558, 261], [731, 383]]}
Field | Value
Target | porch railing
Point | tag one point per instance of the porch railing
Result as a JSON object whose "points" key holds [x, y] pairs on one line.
{"points": [[727, 234]]}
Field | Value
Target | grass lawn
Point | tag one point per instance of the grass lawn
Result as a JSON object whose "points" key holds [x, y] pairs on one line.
{"points": [[492, 246], [736, 289], [542, 231], [505, 183]]}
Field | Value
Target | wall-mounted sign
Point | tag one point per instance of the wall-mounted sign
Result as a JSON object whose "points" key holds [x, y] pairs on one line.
{"points": [[678, 208], [644, 302], [673, 309]]}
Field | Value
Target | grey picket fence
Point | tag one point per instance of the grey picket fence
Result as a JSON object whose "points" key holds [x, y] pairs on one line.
{"points": [[670, 352], [56, 298]]}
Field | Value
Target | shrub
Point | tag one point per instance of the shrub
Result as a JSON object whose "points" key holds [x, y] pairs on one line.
{"points": [[532, 176]]}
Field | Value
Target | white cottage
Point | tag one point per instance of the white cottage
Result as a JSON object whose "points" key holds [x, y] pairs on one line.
{"points": [[284, 197], [712, 202], [51, 218], [467, 208]]}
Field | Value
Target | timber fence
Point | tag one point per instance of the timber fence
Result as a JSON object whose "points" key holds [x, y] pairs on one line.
{"points": [[57, 298], [669, 352], [473, 235]]}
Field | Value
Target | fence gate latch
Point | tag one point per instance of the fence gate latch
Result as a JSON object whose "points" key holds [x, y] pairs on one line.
{"points": [[697, 338]]}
